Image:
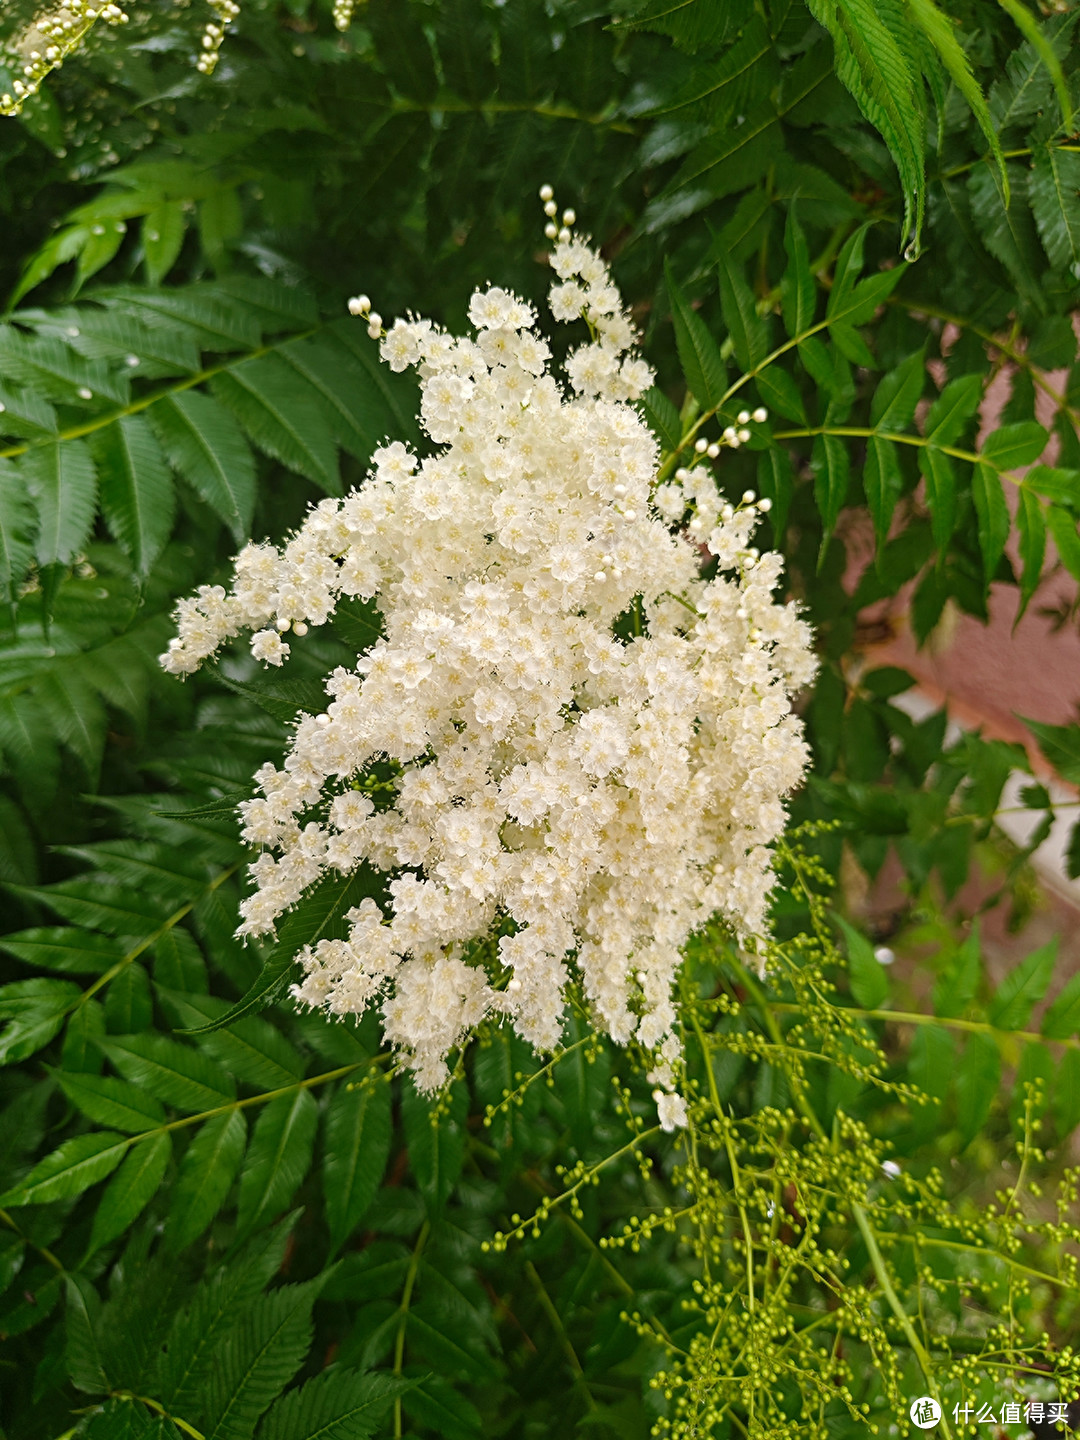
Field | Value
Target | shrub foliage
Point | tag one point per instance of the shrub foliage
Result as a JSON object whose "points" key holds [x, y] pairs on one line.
{"points": [[223, 1218]]}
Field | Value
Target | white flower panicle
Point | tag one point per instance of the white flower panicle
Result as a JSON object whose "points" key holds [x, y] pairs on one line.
{"points": [[590, 742]]}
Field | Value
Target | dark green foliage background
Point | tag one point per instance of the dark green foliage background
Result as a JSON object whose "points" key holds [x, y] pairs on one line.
{"points": [[816, 197]]}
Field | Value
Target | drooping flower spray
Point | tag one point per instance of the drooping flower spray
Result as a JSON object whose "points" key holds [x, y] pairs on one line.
{"points": [[591, 743]]}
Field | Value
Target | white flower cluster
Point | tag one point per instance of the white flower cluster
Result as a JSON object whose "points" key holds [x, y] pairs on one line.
{"points": [[59, 34], [590, 742]]}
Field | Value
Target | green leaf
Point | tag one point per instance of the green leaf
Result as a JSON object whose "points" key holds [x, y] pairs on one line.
{"points": [[282, 415], [83, 1353], [1062, 527], [932, 1064], [898, 393], [858, 306], [978, 1077], [797, 290], [357, 623], [940, 475], [278, 305], [852, 345], [47, 364], [745, 326], [277, 1159], [178, 963], [198, 1332], [950, 413], [883, 482], [957, 986], [1054, 193], [1031, 522], [34, 1010], [662, 419], [357, 1146], [849, 264], [95, 905], [992, 514], [1062, 1018], [220, 221], [320, 915], [18, 526], [163, 238], [173, 1072], [436, 1142], [205, 445], [80, 1054], [251, 1049], [261, 1352], [58, 250], [1007, 231], [866, 975], [1011, 446], [938, 29], [131, 1189], [128, 1006], [64, 948], [1066, 1093], [693, 25], [126, 1420], [281, 696], [205, 1177], [68, 1171], [436, 1404], [354, 409], [776, 482], [1022, 988], [218, 322], [63, 484], [336, 1405], [112, 1102], [1061, 746], [699, 355], [886, 681], [880, 76], [831, 467], [779, 392], [1029, 27]]}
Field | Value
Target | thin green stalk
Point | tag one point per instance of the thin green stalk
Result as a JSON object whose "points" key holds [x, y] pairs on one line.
{"points": [[1009, 350], [1005, 155], [403, 1310], [101, 422], [555, 1320], [735, 1182], [877, 1262], [452, 105], [914, 1017], [158, 1409], [46, 1254], [864, 432], [143, 945]]}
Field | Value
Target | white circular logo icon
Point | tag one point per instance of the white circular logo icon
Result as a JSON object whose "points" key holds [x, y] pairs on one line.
{"points": [[925, 1412]]}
